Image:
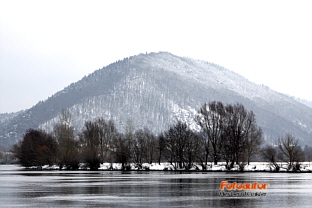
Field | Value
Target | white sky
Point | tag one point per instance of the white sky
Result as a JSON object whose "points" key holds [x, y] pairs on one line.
{"points": [[47, 45]]}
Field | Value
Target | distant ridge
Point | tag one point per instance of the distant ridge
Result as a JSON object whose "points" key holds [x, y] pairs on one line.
{"points": [[154, 90], [306, 102]]}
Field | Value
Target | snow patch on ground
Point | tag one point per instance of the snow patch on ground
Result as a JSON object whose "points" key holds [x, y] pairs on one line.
{"points": [[166, 166]]}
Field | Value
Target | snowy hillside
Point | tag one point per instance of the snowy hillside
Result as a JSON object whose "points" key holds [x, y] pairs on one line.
{"points": [[306, 102], [153, 90]]}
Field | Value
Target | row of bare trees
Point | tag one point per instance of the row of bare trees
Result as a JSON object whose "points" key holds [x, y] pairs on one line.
{"points": [[288, 151], [228, 133]]}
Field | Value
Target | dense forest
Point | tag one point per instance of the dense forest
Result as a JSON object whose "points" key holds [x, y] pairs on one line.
{"points": [[228, 133]]}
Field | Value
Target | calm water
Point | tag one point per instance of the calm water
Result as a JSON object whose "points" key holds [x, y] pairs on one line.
{"points": [[146, 189]]}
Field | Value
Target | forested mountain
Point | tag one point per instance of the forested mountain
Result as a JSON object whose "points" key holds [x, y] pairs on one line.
{"points": [[306, 102], [154, 90]]}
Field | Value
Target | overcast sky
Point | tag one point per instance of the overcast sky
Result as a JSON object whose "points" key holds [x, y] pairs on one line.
{"points": [[47, 45]]}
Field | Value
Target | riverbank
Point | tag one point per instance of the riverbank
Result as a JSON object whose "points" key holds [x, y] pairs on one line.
{"points": [[305, 167]]}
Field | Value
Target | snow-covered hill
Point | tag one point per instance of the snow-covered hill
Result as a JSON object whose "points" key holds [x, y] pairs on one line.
{"points": [[153, 90]]}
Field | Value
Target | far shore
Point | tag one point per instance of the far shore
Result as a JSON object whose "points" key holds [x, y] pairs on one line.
{"points": [[305, 167]]}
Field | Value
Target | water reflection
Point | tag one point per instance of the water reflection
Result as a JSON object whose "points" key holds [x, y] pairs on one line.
{"points": [[146, 189]]}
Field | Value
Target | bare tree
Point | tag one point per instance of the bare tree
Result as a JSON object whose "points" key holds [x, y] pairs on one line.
{"points": [[122, 145], [193, 145], [107, 133], [122, 150], [143, 147], [67, 152], [308, 153], [253, 136], [90, 145], [269, 154], [291, 153], [179, 145], [242, 137], [150, 146], [210, 118], [298, 157], [230, 132], [161, 146], [98, 139], [138, 148], [234, 139]]}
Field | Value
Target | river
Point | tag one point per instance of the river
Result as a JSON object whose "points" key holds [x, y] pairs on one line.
{"points": [[24, 188]]}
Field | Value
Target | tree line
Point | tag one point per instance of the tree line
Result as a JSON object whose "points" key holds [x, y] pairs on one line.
{"points": [[288, 151], [228, 133]]}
